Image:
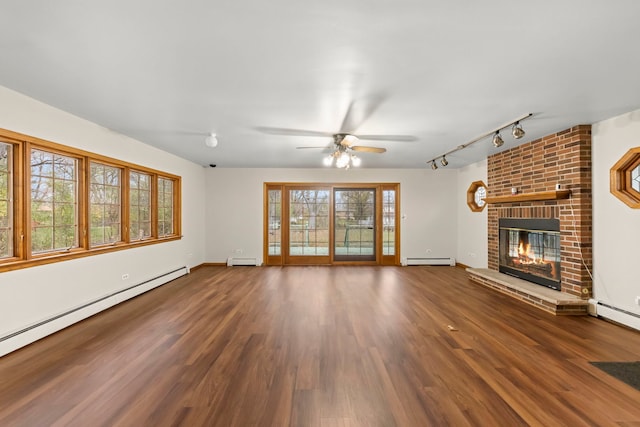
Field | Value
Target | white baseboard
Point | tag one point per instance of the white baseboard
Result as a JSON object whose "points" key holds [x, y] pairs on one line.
{"points": [[32, 333], [619, 316]]}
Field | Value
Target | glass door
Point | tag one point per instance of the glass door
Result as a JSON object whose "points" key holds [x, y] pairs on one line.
{"points": [[354, 218], [308, 225], [324, 223]]}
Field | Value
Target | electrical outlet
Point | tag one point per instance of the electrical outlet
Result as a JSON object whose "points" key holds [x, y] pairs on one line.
{"points": [[638, 300], [472, 254], [125, 276]]}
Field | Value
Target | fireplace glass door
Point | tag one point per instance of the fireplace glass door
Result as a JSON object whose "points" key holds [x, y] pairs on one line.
{"points": [[530, 250]]}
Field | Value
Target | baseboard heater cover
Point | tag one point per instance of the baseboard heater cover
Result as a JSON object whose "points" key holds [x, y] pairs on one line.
{"points": [[429, 261], [232, 261], [33, 333], [618, 315]]}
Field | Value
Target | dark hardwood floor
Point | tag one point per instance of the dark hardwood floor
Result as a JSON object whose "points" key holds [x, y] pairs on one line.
{"points": [[322, 346]]}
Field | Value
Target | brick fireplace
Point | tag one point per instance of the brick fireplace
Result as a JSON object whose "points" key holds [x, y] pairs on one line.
{"points": [[535, 169]]}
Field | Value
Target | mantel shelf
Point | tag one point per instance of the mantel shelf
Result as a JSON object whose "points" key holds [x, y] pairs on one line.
{"points": [[530, 197]]}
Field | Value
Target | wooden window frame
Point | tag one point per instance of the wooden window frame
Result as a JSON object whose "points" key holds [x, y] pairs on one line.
{"points": [[79, 201], [620, 178], [22, 255], [471, 196]]}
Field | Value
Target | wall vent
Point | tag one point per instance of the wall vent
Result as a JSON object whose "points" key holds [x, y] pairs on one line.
{"points": [[233, 261], [429, 261]]}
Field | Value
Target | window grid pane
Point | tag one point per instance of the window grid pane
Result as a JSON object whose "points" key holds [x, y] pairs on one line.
{"points": [[165, 207], [354, 222], [105, 204], [6, 200], [388, 222], [54, 206], [275, 213], [139, 206], [309, 222]]}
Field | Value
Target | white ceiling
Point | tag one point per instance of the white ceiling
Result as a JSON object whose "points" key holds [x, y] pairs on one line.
{"points": [[168, 72]]}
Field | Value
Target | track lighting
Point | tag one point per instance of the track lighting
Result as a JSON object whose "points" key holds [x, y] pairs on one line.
{"points": [[497, 139], [211, 140], [517, 131]]}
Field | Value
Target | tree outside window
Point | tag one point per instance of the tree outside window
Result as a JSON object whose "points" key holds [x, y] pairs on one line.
{"points": [[54, 208], [6, 197], [139, 206], [165, 207], [105, 204]]}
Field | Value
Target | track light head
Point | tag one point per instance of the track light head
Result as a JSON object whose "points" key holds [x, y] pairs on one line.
{"points": [[444, 161], [434, 166], [497, 140], [517, 131]]}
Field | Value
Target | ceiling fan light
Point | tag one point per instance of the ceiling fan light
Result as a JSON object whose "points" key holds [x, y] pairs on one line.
{"points": [[517, 131], [497, 140], [356, 161], [211, 140], [444, 161], [343, 160], [328, 161]]}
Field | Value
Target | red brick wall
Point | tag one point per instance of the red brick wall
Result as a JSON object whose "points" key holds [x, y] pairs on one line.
{"points": [[561, 158]]}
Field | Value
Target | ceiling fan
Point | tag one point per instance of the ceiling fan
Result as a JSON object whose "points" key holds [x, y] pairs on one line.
{"points": [[345, 142]]}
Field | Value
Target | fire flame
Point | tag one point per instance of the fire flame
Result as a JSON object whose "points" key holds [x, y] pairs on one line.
{"points": [[526, 252]]}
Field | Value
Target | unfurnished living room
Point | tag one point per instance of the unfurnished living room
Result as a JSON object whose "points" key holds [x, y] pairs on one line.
{"points": [[319, 214]]}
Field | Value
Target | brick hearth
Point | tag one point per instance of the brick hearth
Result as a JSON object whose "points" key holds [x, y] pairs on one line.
{"points": [[563, 158]]}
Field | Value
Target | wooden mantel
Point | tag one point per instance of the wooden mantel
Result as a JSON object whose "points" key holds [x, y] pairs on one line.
{"points": [[530, 197]]}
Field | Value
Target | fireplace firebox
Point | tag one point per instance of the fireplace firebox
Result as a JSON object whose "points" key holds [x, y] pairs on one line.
{"points": [[530, 249]]}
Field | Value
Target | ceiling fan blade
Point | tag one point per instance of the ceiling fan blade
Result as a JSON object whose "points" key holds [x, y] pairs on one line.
{"points": [[291, 132], [345, 140], [398, 138], [368, 149], [359, 111]]}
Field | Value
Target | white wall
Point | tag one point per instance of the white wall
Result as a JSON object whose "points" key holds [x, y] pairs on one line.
{"points": [[616, 227], [235, 200], [31, 295], [472, 226]]}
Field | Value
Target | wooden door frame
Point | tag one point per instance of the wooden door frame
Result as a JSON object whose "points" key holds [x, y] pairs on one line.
{"points": [[285, 187]]}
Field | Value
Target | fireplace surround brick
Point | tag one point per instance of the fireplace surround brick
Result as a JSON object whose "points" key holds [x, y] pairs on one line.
{"points": [[562, 158]]}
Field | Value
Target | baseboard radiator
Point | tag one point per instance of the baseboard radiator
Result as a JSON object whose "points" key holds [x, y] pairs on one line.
{"points": [[27, 335], [233, 261], [429, 261], [618, 315]]}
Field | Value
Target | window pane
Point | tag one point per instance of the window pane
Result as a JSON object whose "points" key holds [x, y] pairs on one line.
{"points": [[309, 222], [165, 207], [274, 208], [388, 222], [6, 197], [54, 202], [635, 179], [105, 204], [139, 206]]}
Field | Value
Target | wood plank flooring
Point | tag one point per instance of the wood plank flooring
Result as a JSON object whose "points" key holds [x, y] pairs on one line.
{"points": [[322, 346]]}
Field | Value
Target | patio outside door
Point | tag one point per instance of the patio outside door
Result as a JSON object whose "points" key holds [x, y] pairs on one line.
{"points": [[354, 219]]}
